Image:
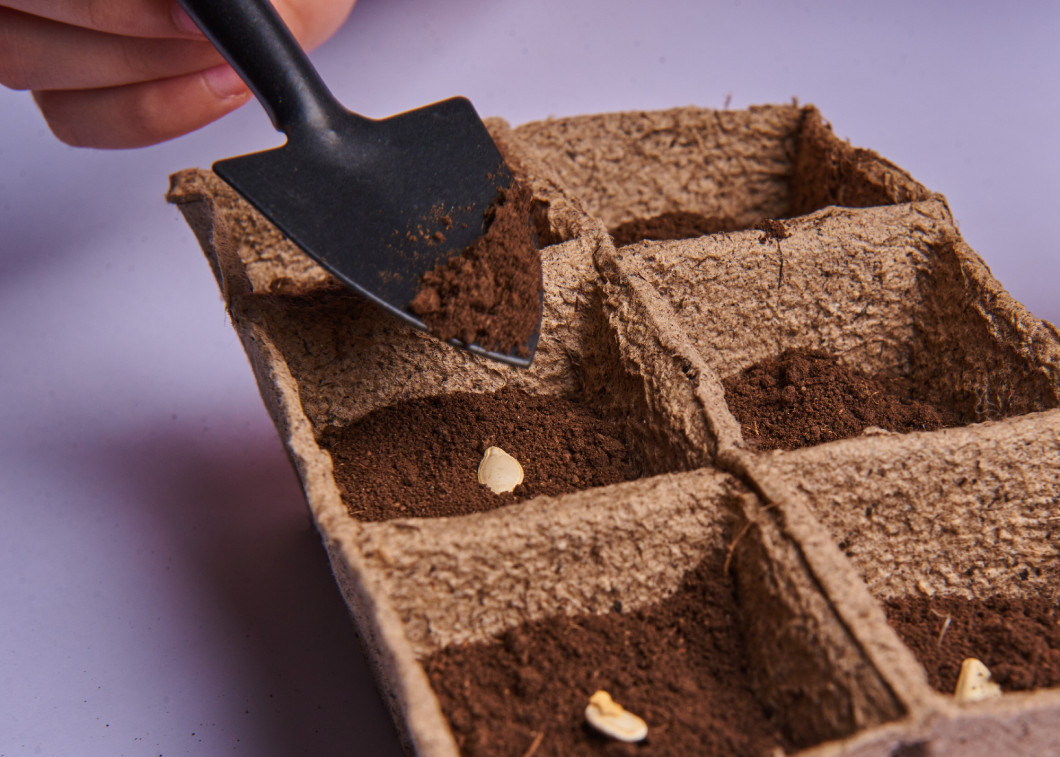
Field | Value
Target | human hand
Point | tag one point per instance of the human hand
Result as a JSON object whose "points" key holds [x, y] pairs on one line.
{"points": [[131, 73]]}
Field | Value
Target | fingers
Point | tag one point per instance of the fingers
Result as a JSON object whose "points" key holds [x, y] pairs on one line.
{"points": [[40, 53], [133, 18], [130, 73], [311, 21], [37, 53], [137, 115]]}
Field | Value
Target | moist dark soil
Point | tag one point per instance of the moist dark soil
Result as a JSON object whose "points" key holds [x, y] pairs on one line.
{"points": [[679, 664], [490, 294], [802, 398], [1017, 638], [673, 225], [420, 458]]}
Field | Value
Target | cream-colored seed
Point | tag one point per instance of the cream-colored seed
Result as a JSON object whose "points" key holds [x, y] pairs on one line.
{"points": [[499, 471], [974, 684], [612, 719]]}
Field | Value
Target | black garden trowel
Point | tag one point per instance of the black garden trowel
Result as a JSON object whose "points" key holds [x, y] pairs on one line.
{"points": [[365, 198]]}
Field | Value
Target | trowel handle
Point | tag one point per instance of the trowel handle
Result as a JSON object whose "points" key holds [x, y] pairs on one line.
{"points": [[253, 38]]}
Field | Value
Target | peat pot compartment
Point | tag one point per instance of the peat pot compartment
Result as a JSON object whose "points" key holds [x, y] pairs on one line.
{"points": [[846, 319], [679, 664], [519, 617], [406, 420], [957, 534], [687, 172], [724, 646]]}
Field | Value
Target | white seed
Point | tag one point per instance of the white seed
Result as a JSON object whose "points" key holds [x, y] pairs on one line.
{"points": [[974, 684], [499, 471], [611, 719]]}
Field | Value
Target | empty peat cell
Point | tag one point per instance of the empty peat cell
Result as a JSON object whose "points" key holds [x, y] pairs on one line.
{"points": [[1016, 637], [420, 458], [806, 397], [679, 664]]}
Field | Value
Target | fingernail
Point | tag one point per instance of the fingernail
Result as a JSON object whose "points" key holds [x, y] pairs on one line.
{"points": [[224, 82], [183, 21]]}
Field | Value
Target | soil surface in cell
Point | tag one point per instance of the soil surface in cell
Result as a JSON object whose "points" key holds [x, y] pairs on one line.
{"points": [[420, 458], [802, 398], [672, 225], [680, 665], [1017, 638]]}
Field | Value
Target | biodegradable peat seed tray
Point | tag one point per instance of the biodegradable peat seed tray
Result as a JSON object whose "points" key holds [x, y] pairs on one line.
{"points": [[790, 455]]}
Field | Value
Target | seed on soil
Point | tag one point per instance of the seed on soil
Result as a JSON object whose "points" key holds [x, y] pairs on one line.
{"points": [[974, 682], [611, 719], [499, 471]]}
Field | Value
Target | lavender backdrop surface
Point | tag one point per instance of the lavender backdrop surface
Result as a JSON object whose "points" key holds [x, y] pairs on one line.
{"points": [[161, 589]]}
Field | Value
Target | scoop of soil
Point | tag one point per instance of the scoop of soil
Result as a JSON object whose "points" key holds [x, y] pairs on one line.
{"points": [[490, 294]]}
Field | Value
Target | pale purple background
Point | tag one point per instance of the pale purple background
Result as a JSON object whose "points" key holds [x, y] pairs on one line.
{"points": [[161, 591]]}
